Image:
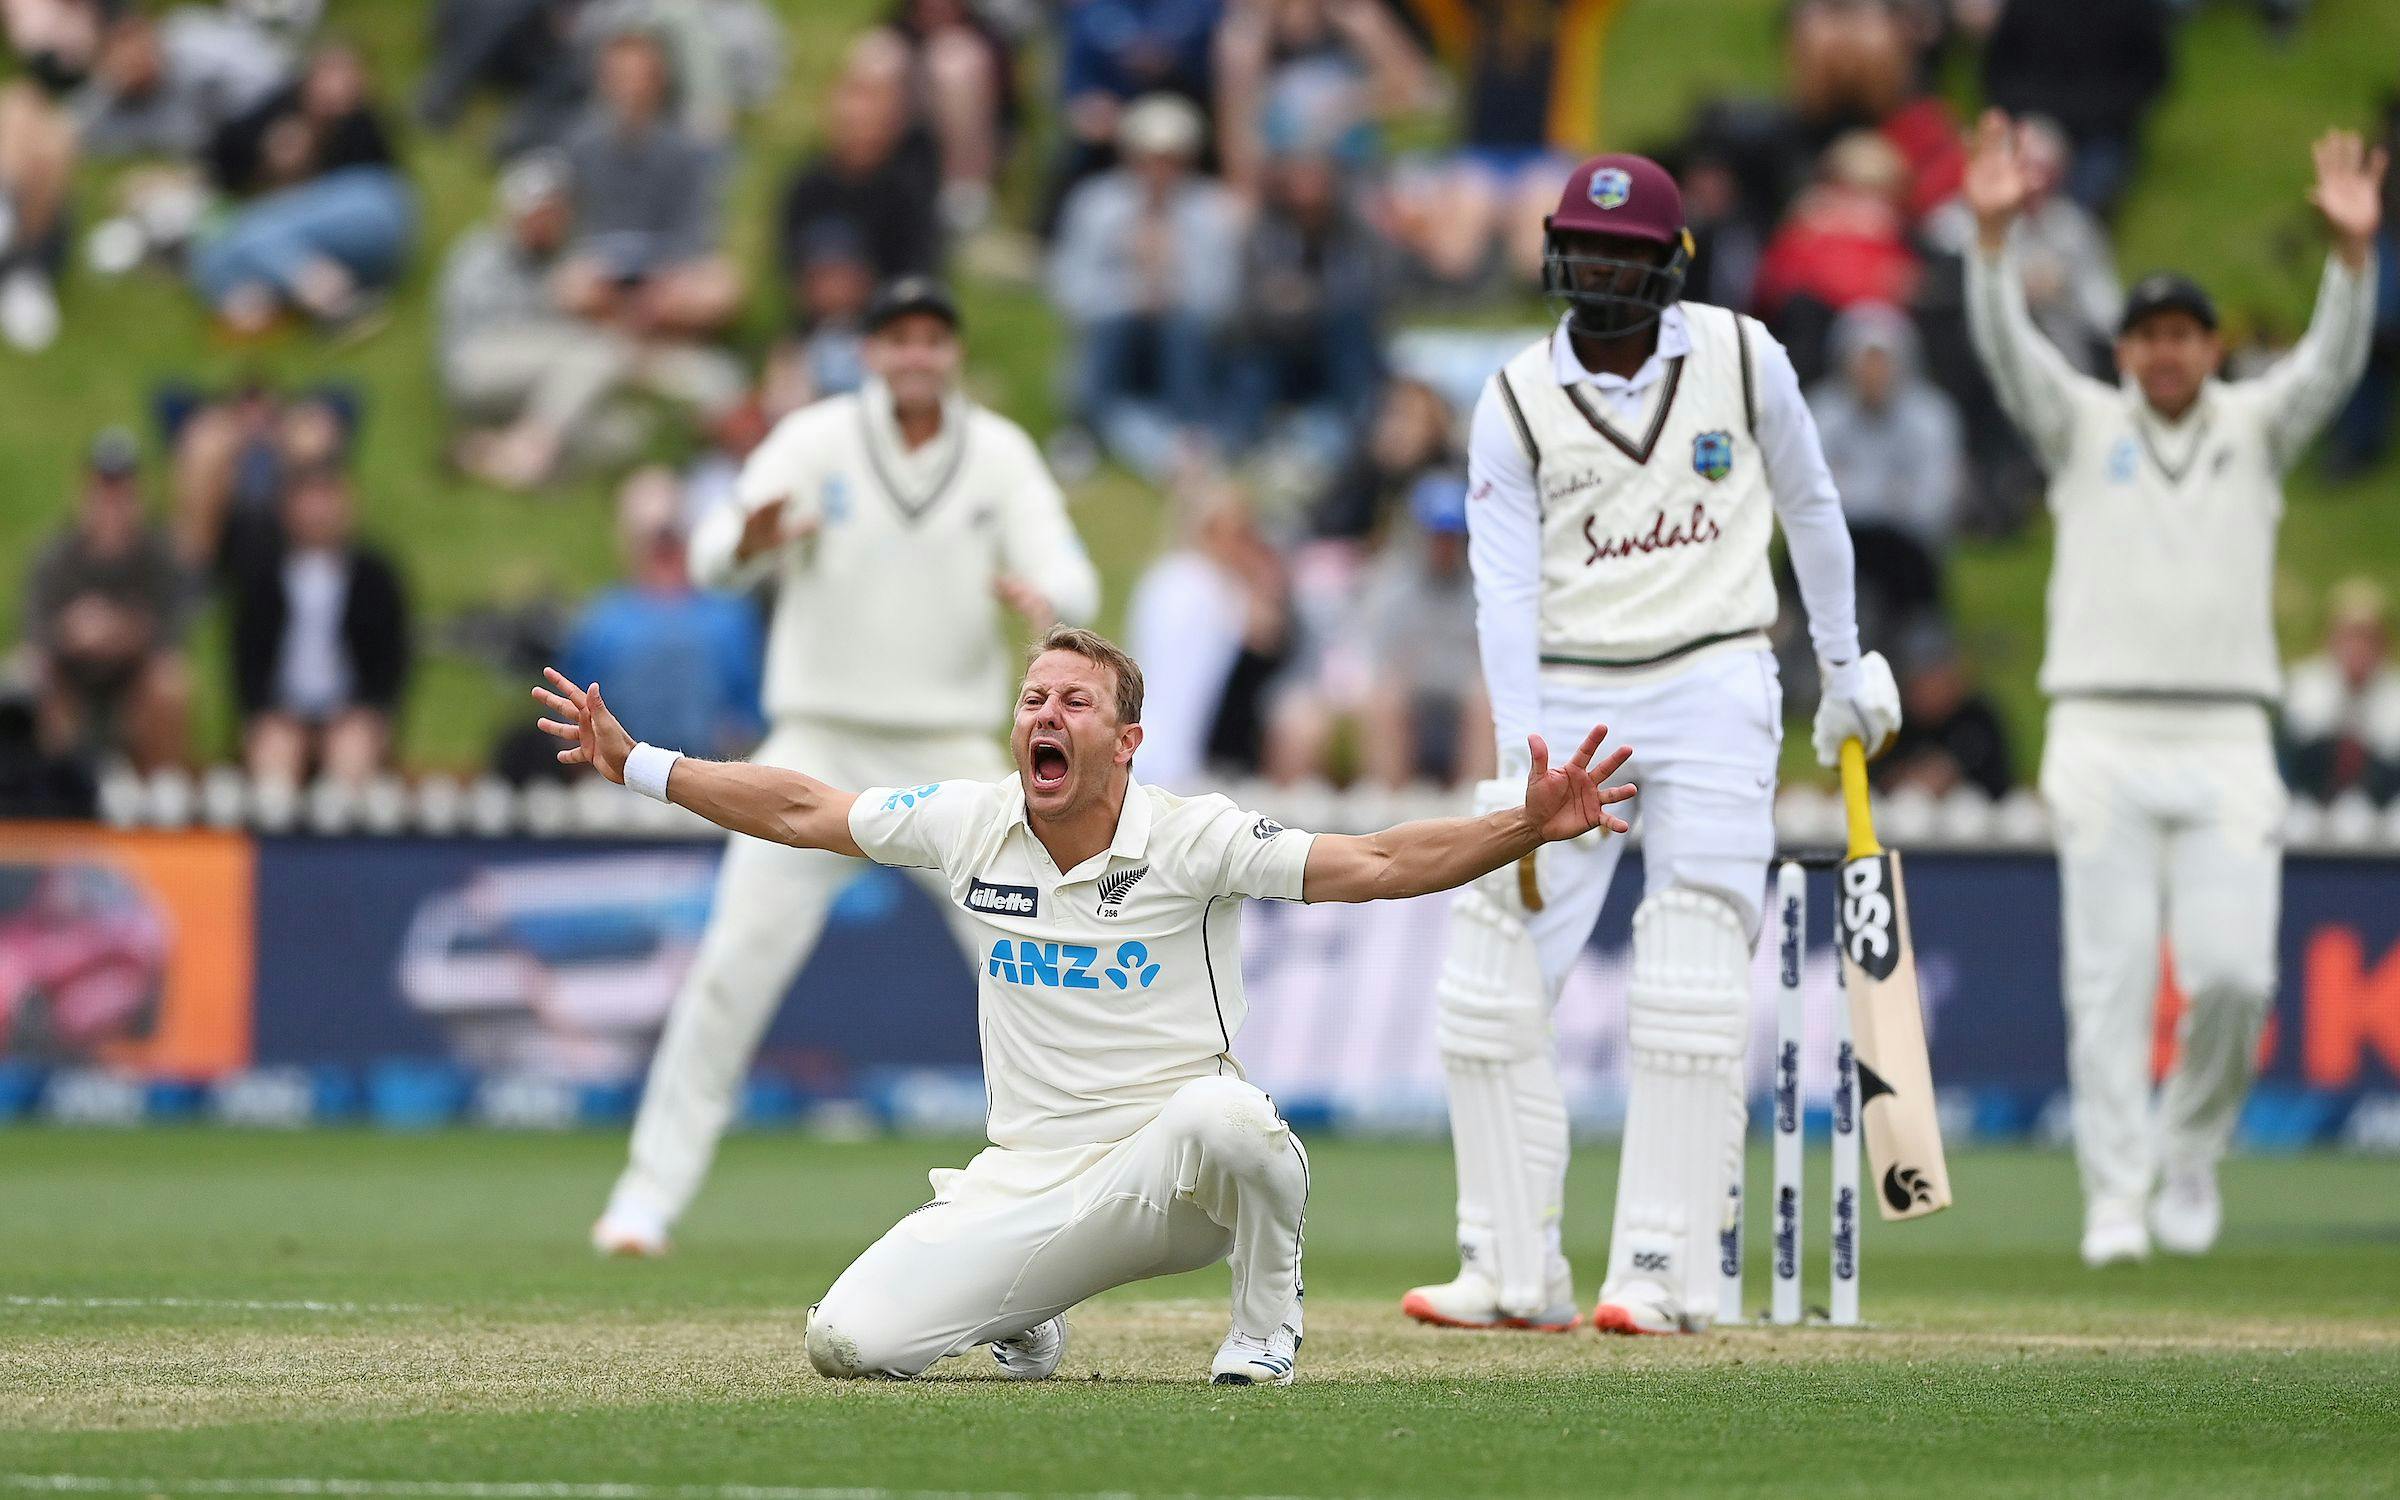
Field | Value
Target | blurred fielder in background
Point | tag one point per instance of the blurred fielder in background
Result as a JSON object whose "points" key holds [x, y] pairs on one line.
{"points": [[2159, 769], [893, 523], [1625, 477]]}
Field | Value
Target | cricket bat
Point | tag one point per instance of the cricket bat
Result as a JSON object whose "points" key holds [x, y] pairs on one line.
{"points": [[1879, 965]]}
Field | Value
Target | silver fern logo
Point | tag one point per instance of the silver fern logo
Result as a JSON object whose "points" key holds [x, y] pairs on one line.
{"points": [[1114, 887]]}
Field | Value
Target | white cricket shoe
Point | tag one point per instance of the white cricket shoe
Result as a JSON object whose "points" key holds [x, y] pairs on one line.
{"points": [[1246, 1359], [2187, 1213], [1640, 1307], [1035, 1353], [2113, 1234], [629, 1231], [28, 311], [1470, 1300]]}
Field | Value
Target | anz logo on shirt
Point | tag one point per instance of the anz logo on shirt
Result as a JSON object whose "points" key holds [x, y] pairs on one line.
{"points": [[1069, 966], [910, 797]]}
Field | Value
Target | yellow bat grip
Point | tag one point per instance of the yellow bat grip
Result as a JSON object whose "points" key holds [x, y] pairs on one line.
{"points": [[1854, 800]]}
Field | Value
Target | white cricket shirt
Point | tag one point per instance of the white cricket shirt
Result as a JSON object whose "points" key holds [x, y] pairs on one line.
{"points": [[1103, 989], [1627, 518], [2162, 574]]}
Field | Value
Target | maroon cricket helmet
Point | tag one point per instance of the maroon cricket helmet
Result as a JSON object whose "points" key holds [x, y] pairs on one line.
{"points": [[1628, 196]]}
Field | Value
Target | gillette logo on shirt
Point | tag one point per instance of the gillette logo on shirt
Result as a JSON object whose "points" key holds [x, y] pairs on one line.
{"points": [[1003, 900]]}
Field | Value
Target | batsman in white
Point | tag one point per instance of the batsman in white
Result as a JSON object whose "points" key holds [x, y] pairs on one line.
{"points": [[1125, 1142], [2159, 767], [1624, 478], [894, 523]]}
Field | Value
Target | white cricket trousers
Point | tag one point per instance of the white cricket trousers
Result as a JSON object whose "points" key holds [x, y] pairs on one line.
{"points": [[769, 908], [1705, 741], [1009, 1243], [2167, 819]]}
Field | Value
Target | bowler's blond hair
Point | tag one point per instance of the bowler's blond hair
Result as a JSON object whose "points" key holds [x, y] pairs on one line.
{"points": [[1094, 647]]}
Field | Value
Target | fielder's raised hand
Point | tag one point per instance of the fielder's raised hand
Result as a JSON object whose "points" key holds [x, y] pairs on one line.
{"points": [[1575, 798], [600, 741], [2349, 192]]}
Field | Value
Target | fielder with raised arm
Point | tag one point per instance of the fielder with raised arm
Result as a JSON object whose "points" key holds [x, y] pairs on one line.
{"points": [[893, 523], [1624, 479], [2159, 769], [1125, 1142]]}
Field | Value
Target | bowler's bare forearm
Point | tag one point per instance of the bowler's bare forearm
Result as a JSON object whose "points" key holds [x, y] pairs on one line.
{"points": [[1418, 858], [766, 802]]}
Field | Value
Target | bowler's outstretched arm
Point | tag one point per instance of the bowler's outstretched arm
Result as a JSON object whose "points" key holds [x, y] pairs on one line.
{"points": [[1437, 854], [784, 807]]}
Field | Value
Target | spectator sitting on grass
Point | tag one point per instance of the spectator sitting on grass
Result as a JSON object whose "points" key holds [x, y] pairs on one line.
{"points": [[1112, 53], [522, 49], [1310, 331], [1952, 735], [1843, 242], [645, 255], [875, 177], [56, 43], [1412, 434], [962, 81], [724, 57], [824, 351], [1892, 439], [1211, 619], [105, 608], [1147, 269], [537, 380], [1425, 717], [326, 216], [2341, 707], [2069, 269], [231, 455], [1344, 64], [164, 86], [689, 659], [321, 647]]}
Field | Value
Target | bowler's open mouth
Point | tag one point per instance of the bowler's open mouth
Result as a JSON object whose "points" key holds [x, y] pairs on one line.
{"points": [[1049, 759]]}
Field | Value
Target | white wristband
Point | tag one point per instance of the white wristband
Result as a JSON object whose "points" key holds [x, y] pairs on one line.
{"points": [[647, 768]]}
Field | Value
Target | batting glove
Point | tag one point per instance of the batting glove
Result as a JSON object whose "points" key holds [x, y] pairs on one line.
{"points": [[1860, 702]]}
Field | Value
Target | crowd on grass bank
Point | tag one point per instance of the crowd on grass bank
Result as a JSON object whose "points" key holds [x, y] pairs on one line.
{"points": [[1231, 233]]}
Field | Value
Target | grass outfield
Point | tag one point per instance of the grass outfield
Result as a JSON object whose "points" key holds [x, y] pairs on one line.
{"points": [[193, 1312]]}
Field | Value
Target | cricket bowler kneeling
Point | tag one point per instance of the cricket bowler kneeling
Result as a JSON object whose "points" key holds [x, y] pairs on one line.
{"points": [[1125, 1141]]}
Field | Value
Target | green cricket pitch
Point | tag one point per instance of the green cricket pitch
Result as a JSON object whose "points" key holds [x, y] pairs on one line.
{"points": [[218, 1312]]}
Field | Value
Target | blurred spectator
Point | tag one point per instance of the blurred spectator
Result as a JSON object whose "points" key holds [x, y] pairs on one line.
{"points": [[724, 57], [1727, 237], [2096, 67], [823, 353], [326, 215], [1309, 334], [687, 661], [1891, 439], [1211, 619], [35, 782], [1147, 270], [1861, 65], [645, 255], [2341, 707], [1951, 734], [231, 455], [1412, 433], [537, 380], [1113, 52], [104, 614], [321, 647], [522, 49], [2070, 270], [1327, 68], [1528, 75], [875, 178], [56, 43], [165, 86], [1425, 717], [1844, 241], [963, 80]]}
